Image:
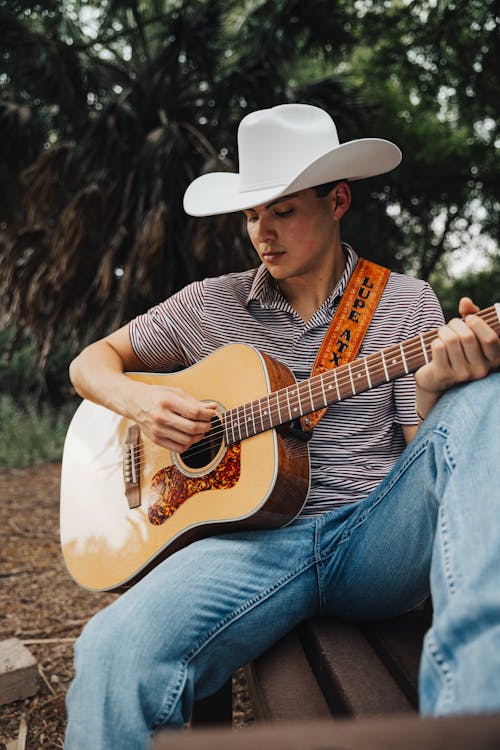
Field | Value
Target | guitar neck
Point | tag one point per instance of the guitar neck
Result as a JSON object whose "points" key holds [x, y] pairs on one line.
{"points": [[332, 386]]}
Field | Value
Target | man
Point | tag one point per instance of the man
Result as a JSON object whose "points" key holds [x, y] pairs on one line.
{"points": [[378, 521]]}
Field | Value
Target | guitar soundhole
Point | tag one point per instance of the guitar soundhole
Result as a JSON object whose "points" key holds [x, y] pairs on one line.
{"points": [[203, 453]]}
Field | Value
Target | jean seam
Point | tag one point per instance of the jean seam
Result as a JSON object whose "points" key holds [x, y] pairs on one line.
{"points": [[319, 562], [250, 604], [171, 698], [449, 456], [445, 547], [442, 667]]}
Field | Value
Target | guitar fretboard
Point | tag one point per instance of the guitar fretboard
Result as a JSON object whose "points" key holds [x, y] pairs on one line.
{"points": [[332, 386]]}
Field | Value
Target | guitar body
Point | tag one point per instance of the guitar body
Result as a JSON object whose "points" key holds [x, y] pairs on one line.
{"points": [[261, 481]]}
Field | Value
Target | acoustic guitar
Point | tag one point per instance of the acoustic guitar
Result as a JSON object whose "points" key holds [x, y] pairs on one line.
{"points": [[127, 504]]}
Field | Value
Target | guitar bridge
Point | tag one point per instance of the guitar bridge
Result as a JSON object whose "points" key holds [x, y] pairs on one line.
{"points": [[132, 466]]}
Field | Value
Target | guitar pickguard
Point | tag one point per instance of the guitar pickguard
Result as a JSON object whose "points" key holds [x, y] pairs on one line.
{"points": [[174, 487]]}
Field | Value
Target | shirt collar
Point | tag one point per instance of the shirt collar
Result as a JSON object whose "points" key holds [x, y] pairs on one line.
{"points": [[265, 291]]}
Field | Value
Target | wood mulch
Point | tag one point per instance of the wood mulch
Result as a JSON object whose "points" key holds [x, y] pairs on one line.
{"points": [[45, 609]]}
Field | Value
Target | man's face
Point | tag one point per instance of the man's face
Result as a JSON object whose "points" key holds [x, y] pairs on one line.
{"points": [[294, 235]]}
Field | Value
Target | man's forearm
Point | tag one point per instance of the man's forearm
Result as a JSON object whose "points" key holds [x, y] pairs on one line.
{"points": [[97, 374]]}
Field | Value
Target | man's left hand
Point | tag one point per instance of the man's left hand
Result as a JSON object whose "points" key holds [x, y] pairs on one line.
{"points": [[465, 349]]}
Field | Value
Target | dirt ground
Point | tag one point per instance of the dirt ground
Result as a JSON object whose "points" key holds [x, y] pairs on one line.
{"points": [[42, 606]]}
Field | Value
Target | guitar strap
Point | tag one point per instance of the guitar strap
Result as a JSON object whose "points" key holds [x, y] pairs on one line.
{"points": [[349, 324]]}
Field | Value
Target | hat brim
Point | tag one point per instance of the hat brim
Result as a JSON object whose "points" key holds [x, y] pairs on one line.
{"points": [[220, 193]]}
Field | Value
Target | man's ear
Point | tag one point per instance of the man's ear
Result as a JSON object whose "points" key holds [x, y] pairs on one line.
{"points": [[340, 199]]}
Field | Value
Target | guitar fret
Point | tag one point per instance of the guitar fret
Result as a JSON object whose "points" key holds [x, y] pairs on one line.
{"points": [[299, 398], [278, 407], [242, 426], [405, 365], [310, 394], [230, 425], [241, 422], [384, 366], [236, 424], [288, 403], [424, 349], [233, 422], [236, 429], [252, 417], [261, 415], [252, 425], [368, 373], [337, 385], [267, 412], [269, 415], [321, 380], [248, 418], [270, 400], [349, 368], [241, 411]]}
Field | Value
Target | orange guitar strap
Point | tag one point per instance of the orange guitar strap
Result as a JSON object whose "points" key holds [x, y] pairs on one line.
{"points": [[350, 323]]}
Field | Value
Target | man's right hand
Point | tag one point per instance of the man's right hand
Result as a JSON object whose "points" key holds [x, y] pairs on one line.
{"points": [[169, 416]]}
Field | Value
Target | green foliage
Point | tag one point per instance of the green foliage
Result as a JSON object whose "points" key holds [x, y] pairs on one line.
{"points": [[109, 109], [17, 371], [20, 375], [35, 404], [135, 105], [482, 287], [432, 69], [30, 433]]}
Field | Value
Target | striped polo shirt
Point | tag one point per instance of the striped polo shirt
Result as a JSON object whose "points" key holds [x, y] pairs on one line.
{"points": [[359, 439]]}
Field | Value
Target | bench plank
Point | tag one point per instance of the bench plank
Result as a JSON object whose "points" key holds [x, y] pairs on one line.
{"points": [[398, 643], [282, 685], [354, 680]]}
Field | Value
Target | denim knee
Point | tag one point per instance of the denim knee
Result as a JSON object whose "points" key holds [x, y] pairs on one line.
{"points": [[111, 642], [469, 407], [98, 642], [483, 397]]}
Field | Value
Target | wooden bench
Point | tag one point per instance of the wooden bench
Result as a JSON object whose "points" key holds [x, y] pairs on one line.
{"points": [[364, 677], [327, 667]]}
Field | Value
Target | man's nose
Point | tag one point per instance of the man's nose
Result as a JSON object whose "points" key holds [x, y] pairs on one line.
{"points": [[266, 229]]}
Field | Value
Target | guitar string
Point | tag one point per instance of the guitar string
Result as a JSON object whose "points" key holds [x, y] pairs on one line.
{"points": [[200, 447], [234, 420], [229, 424], [231, 421]]}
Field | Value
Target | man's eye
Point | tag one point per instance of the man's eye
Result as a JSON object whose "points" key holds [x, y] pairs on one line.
{"points": [[283, 214]]}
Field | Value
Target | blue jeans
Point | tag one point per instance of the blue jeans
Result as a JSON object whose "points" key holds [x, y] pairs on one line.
{"points": [[212, 607]]}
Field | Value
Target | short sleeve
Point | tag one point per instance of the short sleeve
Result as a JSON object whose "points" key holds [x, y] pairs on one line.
{"points": [[162, 337]]}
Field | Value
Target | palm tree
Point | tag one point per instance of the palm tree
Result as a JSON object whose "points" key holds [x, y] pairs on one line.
{"points": [[104, 126], [108, 110]]}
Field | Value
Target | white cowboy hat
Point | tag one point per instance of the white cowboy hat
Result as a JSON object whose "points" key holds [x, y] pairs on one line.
{"points": [[283, 150]]}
